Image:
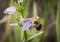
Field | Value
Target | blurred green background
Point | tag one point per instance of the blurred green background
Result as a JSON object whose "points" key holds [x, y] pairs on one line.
{"points": [[47, 10]]}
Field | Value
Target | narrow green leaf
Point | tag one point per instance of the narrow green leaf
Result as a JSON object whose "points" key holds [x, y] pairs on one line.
{"points": [[34, 9], [34, 36]]}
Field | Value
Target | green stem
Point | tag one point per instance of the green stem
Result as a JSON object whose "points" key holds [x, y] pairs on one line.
{"points": [[58, 22], [47, 3], [25, 14]]}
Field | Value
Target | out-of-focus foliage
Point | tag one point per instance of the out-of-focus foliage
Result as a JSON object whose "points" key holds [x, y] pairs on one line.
{"points": [[32, 34]]}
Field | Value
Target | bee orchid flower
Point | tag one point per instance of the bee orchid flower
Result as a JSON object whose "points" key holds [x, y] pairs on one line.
{"points": [[26, 25], [10, 10], [26, 22]]}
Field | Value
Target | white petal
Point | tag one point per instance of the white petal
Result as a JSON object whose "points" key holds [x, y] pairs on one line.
{"points": [[10, 10]]}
